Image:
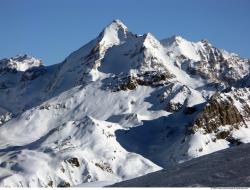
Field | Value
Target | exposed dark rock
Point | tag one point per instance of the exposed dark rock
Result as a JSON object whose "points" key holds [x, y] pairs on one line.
{"points": [[45, 106], [104, 167], [130, 84], [222, 134], [64, 184], [50, 184], [174, 107], [5, 117], [234, 141], [152, 78], [74, 162], [190, 110], [217, 113]]}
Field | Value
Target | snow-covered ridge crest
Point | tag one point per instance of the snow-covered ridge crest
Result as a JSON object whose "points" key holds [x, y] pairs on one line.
{"points": [[206, 61], [19, 63], [86, 60]]}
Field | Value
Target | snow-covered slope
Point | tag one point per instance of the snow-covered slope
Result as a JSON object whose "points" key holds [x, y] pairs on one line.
{"points": [[121, 106], [73, 153]]}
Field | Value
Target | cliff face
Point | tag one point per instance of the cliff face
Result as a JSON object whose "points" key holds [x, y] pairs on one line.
{"points": [[223, 122]]}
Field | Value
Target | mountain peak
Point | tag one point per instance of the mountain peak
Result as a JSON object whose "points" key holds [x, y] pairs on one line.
{"points": [[175, 39], [119, 24], [149, 39], [113, 34], [20, 63], [116, 25]]}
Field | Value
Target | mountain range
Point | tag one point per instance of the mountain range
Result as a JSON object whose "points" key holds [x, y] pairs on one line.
{"points": [[121, 106]]}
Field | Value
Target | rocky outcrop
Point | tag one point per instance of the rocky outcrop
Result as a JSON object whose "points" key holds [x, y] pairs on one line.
{"points": [[129, 82], [5, 117], [230, 110]]}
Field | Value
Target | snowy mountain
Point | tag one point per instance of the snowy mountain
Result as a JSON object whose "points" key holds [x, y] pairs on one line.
{"points": [[206, 61], [19, 63], [121, 106]]}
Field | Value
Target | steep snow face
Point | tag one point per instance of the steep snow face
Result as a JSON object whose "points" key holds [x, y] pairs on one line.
{"points": [[85, 61], [114, 34], [177, 46], [19, 63], [137, 55]]}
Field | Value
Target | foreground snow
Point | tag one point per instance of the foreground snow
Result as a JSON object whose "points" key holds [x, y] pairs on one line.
{"points": [[226, 168]]}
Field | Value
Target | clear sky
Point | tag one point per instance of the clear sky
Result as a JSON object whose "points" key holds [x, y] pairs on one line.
{"points": [[52, 29]]}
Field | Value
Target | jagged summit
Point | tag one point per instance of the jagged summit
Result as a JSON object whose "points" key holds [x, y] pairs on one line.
{"points": [[172, 39], [150, 38], [119, 24], [114, 33], [19, 63]]}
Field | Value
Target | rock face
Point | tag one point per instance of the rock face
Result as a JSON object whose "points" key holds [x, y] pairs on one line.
{"points": [[221, 111], [224, 119], [152, 79], [218, 113]]}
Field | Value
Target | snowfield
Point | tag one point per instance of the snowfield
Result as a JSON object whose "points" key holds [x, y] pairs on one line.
{"points": [[121, 106]]}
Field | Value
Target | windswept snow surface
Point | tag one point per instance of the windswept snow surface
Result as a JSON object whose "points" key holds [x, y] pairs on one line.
{"points": [[121, 106], [226, 168]]}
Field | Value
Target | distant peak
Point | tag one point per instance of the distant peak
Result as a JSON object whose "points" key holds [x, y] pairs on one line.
{"points": [[116, 25], [21, 58], [150, 41], [118, 22], [206, 42], [113, 33], [176, 38], [173, 39], [149, 36], [20, 62]]}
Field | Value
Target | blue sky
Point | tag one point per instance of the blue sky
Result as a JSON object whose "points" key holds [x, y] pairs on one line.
{"points": [[52, 29]]}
